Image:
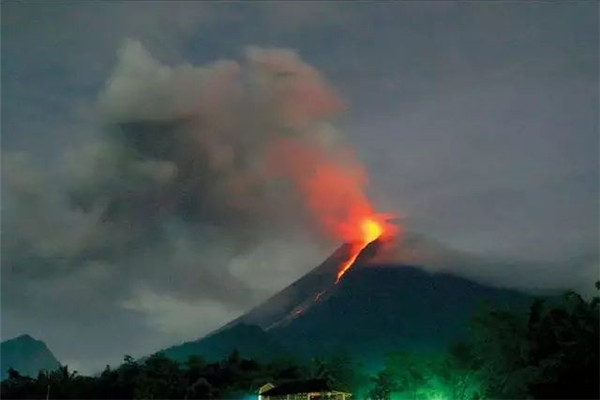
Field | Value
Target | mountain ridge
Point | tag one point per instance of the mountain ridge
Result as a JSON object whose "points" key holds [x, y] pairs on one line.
{"points": [[371, 310], [26, 355]]}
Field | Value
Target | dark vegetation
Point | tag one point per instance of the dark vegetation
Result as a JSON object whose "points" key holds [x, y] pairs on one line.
{"points": [[550, 351], [159, 377]]}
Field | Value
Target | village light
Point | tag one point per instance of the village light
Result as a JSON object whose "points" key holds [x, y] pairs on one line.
{"points": [[437, 396]]}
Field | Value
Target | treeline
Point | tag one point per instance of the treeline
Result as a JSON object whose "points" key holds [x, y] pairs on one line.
{"points": [[551, 351], [159, 377]]}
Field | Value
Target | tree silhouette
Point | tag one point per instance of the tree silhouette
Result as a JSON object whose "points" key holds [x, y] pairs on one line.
{"points": [[551, 352], [384, 385]]}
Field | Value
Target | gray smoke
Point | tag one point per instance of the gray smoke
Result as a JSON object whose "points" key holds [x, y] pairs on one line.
{"points": [[171, 214]]}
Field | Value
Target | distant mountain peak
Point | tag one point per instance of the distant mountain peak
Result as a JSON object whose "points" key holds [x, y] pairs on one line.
{"points": [[24, 338], [27, 355]]}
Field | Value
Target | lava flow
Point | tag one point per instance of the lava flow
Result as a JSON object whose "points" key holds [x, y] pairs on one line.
{"points": [[332, 185], [371, 230]]}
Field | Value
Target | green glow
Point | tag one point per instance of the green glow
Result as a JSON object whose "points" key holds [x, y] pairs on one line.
{"points": [[434, 395]]}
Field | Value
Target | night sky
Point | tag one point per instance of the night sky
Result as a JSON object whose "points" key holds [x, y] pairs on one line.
{"points": [[477, 123]]}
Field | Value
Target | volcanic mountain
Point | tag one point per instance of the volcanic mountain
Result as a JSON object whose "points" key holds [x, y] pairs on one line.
{"points": [[375, 307]]}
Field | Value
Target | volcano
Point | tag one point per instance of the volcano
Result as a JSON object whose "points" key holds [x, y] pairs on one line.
{"points": [[375, 308]]}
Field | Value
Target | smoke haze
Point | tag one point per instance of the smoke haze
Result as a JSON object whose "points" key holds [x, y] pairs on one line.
{"points": [[187, 181]]}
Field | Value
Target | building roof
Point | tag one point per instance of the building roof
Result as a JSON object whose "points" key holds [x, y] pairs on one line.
{"points": [[303, 386], [267, 386]]}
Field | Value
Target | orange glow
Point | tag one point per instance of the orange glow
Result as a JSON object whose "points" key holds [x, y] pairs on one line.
{"points": [[332, 187], [371, 230]]}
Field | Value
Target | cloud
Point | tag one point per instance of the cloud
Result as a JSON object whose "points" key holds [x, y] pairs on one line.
{"points": [[169, 209], [528, 274], [180, 319]]}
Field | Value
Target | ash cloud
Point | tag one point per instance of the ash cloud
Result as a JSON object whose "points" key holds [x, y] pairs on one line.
{"points": [[173, 205], [190, 141], [178, 179]]}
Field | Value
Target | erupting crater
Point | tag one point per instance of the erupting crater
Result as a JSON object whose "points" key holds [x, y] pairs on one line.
{"points": [[371, 229]]}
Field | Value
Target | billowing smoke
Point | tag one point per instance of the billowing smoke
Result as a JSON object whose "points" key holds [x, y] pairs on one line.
{"points": [[330, 184], [208, 185], [240, 146]]}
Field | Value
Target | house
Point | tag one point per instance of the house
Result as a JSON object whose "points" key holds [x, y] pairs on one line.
{"points": [[264, 388], [311, 389]]}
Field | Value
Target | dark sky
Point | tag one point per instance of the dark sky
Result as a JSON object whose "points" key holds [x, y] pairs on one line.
{"points": [[476, 121]]}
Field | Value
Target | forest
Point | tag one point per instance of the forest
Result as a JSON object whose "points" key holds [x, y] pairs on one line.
{"points": [[548, 351]]}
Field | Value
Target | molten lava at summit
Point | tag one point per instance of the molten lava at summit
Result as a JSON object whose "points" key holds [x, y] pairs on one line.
{"points": [[371, 229], [332, 187]]}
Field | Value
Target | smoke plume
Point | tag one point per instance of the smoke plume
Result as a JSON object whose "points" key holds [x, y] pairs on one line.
{"points": [[244, 146], [213, 184]]}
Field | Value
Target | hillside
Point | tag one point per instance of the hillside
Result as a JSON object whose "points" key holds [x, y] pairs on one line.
{"points": [[27, 355], [250, 340], [372, 310], [378, 309]]}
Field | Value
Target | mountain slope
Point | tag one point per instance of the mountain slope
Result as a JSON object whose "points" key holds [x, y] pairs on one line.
{"points": [[376, 309], [372, 310], [251, 341], [296, 296], [27, 355]]}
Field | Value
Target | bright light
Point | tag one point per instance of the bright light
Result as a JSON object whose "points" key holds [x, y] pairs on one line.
{"points": [[371, 230], [437, 396]]}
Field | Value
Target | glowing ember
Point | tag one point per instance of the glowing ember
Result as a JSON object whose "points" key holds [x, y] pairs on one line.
{"points": [[332, 186], [318, 296], [371, 230]]}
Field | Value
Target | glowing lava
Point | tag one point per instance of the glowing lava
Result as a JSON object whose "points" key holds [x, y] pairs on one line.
{"points": [[370, 231], [318, 296]]}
